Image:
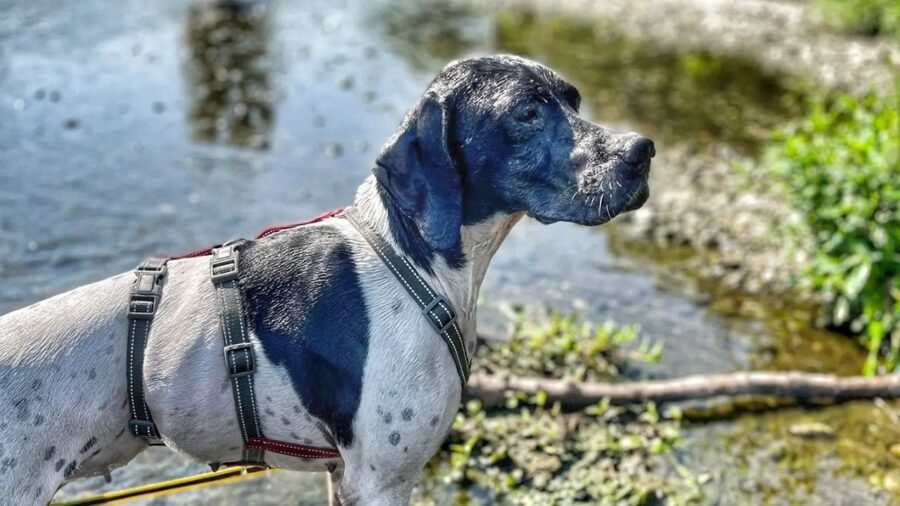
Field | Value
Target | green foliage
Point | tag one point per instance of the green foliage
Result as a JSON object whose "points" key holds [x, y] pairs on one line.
{"points": [[839, 166], [605, 455], [530, 453], [564, 346], [863, 17]]}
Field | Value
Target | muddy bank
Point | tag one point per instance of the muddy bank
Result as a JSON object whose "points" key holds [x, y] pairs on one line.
{"points": [[701, 202]]}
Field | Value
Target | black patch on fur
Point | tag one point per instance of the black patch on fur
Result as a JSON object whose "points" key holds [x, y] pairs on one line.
{"points": [[49, 453], [408, 414], [59, 464], [69, 468], [394, 438], [305, 302], [434, 421], [388, 417], [38, 419], [285, 421], [294, 436]]}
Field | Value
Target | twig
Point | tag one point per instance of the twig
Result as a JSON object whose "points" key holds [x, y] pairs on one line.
{"points": [[491, 389]]}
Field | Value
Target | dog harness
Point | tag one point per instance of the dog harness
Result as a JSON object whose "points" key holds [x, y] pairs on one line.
{"points": [[238, 349], [435, 307]]}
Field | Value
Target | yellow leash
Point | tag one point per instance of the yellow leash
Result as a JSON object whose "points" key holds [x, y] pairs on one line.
{"points": [[219, 477]]}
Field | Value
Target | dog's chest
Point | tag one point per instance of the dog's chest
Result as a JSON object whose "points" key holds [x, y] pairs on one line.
{"points": [[353, 346]]}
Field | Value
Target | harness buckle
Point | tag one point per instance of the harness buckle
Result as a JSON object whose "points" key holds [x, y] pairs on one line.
{"points": [[224, 266], [234, 369], [146, 279], [439, 326]]}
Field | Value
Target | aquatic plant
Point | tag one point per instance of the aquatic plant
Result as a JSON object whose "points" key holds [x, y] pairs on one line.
{"points": [[530, 453], [559, 345]]}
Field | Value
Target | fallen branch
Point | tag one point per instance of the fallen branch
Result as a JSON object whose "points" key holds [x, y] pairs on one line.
{"points": [[491, 389]]}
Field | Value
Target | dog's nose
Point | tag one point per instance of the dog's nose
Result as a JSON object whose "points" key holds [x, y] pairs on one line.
{"points": [[640, 152]]}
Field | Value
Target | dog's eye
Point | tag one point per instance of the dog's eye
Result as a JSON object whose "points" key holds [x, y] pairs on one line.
{"points": [[528, 116]]}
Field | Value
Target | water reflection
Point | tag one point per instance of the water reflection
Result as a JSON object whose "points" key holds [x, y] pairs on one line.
{"points": [[670, 95], [229, 74], [673, 96], [431, 33]]}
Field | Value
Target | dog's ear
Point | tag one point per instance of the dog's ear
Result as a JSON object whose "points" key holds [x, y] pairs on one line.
{"points": [[416, 169]]}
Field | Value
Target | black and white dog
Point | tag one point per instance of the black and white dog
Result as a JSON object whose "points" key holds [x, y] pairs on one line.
{"points": [[345, 356]]}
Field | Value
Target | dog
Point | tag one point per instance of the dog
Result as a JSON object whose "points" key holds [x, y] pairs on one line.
{"points": [[345, 358]]}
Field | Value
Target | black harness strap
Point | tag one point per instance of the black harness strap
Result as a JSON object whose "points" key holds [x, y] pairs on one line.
{"points": [[239, 356], [142, 306], [435, 307]]}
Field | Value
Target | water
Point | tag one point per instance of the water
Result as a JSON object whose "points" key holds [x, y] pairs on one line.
{"points": [[135, 128]]}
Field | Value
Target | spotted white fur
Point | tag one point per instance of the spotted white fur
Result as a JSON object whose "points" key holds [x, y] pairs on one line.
{"points": [[62, 364]]}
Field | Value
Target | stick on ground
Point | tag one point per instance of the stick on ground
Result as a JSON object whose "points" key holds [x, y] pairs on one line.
{"points": [[491, 389]]}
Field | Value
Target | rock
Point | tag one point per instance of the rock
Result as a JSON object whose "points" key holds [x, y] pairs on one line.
{"points": [[811, 430]]}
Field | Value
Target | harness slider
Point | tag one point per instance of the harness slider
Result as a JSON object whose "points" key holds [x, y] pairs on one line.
{"points": [[249, 360], [144, 428], [225, 267], [438, 324], [142, 307]]}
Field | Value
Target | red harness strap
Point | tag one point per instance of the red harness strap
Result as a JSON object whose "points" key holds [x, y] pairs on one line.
{"points": [[292, 449], [260, 442], [264, 233]]}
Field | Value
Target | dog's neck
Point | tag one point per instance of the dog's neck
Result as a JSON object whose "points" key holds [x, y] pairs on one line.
{"points": [[459, 281]]}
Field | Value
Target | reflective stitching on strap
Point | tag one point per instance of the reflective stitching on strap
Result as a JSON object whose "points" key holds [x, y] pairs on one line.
{"points": [[226, 331], [381, 247], [247, 354], [131, 370], [455, 353], [143, 303]]}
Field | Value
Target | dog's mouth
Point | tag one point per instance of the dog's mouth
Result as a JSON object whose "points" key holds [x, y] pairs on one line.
{"points": [[638, 197]]}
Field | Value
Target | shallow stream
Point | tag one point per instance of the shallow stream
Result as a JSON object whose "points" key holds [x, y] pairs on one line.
{"points": [[134, 128]]}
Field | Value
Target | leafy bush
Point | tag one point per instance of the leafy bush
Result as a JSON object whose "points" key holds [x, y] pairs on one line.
{"points": [[839, 166], [863, 17]]}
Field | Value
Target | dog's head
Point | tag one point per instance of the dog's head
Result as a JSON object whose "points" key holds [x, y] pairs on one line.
{"points": [[503, 135]]}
